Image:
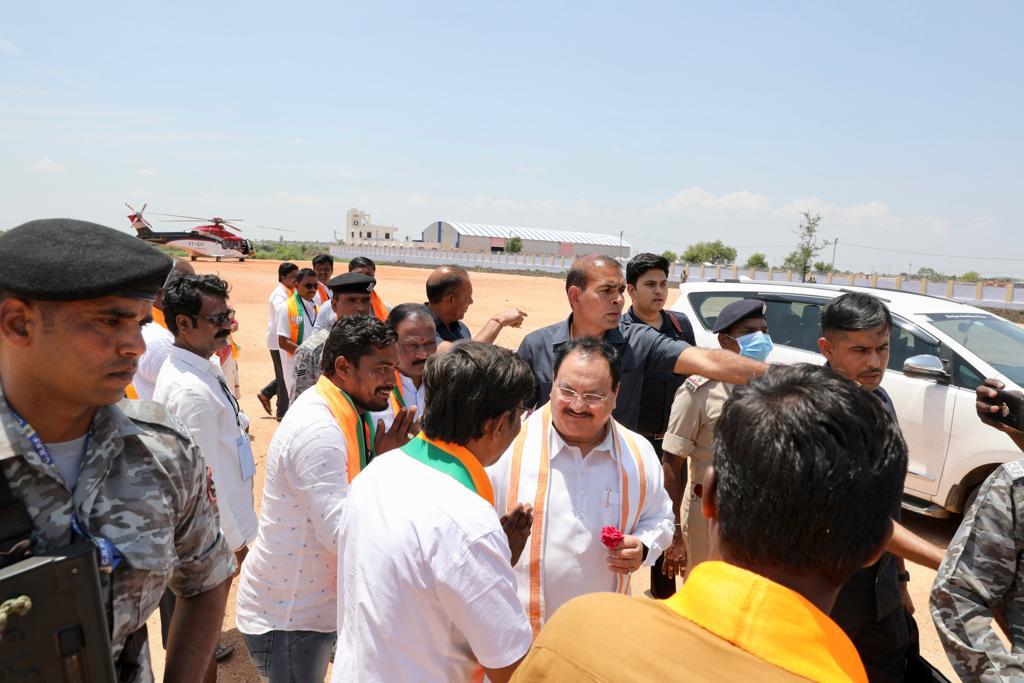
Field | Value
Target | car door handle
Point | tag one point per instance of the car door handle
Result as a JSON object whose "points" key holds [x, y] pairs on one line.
{"points": [[921, 475]]}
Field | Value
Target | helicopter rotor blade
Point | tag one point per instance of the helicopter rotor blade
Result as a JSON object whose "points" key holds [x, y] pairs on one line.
{"points": [[269, 227]]}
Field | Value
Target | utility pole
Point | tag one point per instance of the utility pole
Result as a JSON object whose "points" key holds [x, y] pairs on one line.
{"points": [[834, 243], [620, 243]]}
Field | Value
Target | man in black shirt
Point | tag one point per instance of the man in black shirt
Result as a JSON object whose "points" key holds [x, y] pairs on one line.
{"points": [[647, 286], [874, 607]]}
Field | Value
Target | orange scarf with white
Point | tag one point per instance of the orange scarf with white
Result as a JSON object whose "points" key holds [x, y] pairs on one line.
{"points": [[529, 482]]}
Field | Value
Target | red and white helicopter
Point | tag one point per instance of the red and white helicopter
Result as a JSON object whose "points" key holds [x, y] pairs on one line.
{"points": [[217, 238]]}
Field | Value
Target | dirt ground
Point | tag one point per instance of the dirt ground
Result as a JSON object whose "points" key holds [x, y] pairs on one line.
{"points": [[544, 301]]}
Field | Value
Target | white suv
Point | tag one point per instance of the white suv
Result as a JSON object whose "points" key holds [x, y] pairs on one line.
{"points": [[940, 351]]}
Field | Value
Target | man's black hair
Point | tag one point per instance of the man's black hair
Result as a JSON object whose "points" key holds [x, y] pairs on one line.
{"points": [[641, 263], [304, 273], [591, 347], [321, 259], [354, 337], [469, 385], [855, 312], [285, 269], [183, 296], [403, 312], [810, 472], [578, 271], [446, 284], [361, 262]]}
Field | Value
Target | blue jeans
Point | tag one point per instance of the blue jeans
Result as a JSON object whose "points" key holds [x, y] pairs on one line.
{"points": [[291, 656]]}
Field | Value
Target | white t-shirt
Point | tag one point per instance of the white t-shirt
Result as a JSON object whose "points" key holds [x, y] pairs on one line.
{"points": [[424, 579], [276, 299], [289, 578], [583, 497], [158, 344], [325, 318], [67, 458], [188, 385]]}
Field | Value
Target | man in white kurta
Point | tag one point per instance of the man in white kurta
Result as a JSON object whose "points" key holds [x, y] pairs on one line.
{"points": [[295, 320], [286, 604], [582, 472], [276, 387], [425, 586]]}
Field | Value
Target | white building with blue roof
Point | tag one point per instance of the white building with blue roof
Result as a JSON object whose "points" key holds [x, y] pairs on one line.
{"points": [[491, 239]]}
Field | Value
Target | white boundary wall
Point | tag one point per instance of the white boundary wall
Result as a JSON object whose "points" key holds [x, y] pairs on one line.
{"points": [[968, 293]]}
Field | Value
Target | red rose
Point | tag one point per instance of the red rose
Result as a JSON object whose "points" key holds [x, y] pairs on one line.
{"points": [[611, 537]]}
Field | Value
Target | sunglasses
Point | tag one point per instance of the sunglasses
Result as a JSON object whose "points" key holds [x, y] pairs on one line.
{"points": [[220, 319]]}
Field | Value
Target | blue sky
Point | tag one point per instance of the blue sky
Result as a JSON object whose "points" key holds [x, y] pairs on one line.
{"points": [[901, 123]]}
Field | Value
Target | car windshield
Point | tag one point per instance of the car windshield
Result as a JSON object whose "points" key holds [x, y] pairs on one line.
{"points": [[995, 340]]}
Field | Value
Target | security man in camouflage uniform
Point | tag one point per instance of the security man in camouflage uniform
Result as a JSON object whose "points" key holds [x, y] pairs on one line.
{"points": [[982, 576], [350, 295], [741, 328], [125, 475]]}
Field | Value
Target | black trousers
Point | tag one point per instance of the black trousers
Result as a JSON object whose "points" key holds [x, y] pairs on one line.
{"points": [[884, 646], [662, 587], [277, 386]]}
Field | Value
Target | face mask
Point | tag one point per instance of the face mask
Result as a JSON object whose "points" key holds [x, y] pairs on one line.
{"points": [[756, 345]]}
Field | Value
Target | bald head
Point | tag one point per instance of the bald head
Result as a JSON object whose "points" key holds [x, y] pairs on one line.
{"points": [[443, 281], [449, 293], [583, 269]]}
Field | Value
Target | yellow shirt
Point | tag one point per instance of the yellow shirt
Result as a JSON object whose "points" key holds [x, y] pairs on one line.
{"points": [[726, 624]]}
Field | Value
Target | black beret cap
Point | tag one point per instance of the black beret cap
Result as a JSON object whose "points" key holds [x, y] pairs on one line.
{"points": [[61, 259], [737, 311], [351, 283]]}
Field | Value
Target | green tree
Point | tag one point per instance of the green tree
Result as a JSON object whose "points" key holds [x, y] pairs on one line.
{"points": [[757, 260], [931, 274], [670, 255], [807, 247], [715, 253], [822, 267], [514, 245], [970, 276]]}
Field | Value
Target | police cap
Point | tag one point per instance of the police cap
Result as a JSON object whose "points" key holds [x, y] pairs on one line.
{"points": [[737, 311], [61, 259], [351, 283]]}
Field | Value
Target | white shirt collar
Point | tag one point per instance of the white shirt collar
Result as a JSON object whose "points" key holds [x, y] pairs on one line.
{"points": [[193, 360], [607, 445]]}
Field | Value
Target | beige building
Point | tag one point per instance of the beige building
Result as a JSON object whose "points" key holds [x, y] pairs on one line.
{"points": [[360, 228], [475, 237]]}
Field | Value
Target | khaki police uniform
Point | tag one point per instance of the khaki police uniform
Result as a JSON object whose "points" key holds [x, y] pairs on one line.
{"points": [[691, 434]]}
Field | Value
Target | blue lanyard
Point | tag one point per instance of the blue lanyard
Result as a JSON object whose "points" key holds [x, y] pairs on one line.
{"points": [[109, 555]]}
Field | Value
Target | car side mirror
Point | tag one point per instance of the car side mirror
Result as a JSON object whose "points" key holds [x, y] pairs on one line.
{"points": [[926, 366]]}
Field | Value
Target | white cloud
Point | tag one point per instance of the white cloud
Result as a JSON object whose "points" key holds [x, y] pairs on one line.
{"points": [[346, 172], [692, 200], [9, 49], [47, 165], [147, 172], [510, 204]]}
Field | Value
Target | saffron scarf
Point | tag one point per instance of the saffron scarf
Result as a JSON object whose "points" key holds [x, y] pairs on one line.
{"points": [[297, 319], [528, 481], [357, 428]]}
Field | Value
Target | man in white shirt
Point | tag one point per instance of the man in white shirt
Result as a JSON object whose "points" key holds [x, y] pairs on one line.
{"points": [[417, 341], [425, 585], [583, 473], [286, 606], [193, 389], [285, 285], [295, 320], [158, 340]]}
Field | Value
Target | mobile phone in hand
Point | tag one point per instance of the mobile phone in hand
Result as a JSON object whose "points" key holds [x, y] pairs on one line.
{"points": [[1011, 411]]}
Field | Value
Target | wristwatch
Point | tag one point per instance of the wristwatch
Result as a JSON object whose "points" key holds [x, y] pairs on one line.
{"points": [[904, 577]]}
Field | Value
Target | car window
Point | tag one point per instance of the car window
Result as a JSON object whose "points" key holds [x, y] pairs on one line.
{"points": [[995, 340], [904, 344], [790, 323]]}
